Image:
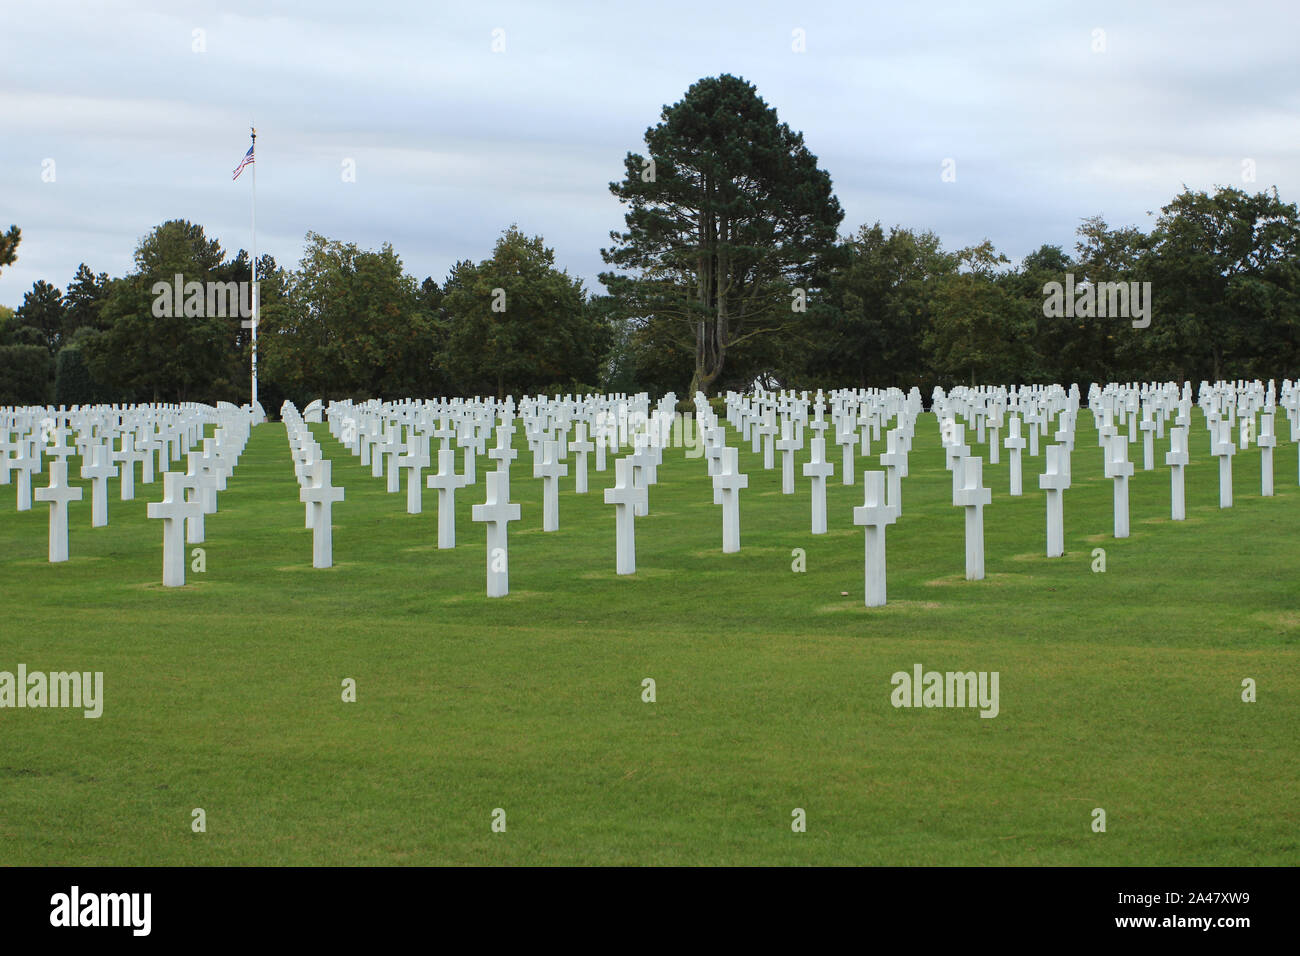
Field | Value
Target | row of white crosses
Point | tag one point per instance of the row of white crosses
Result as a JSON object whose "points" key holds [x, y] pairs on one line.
{"points": [[1230, 411], [554, 431], [189, 496], [1046, 411], [316, 487], [1155, 402], [111, 441], [760, 414], [378, 428], [987, 411]]}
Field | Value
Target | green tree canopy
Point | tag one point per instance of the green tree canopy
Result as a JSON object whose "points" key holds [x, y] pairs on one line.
{"points": [[1225, 271], [9, 246], [42, 310], [727, 216], [877, 309], [516, 323], [350, 325], [146, 357]]}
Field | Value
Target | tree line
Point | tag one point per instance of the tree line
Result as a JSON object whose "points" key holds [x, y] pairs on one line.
{"points": [[732, 270]]}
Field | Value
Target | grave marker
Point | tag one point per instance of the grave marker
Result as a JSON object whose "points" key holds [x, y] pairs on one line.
{"points": [[875, 515], [624, 496], [497, 512], [58, 494]]}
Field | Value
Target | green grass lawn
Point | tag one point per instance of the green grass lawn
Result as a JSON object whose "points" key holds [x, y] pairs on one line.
{"points": [[1119, 690]]}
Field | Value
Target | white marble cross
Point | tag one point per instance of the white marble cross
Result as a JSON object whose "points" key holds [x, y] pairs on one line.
{"points": [[413, 462], [1224, 449], [447, 481], [1014, 443], [191, 483], [1267, 441], [894, 458], [503, 455], [1148, 427], [175, 510], [848, 441], [875, 515], [6, 446], [604, 436], [322, 496], [580, 447], [148, 446], [27, 462], [624, 496], [202, 473], [443, 434], [392, 447], [957, 451], [497, 511], [550, 470], [470, 446], [973, 496], [1055, 481], [58, 493], [728, 483], [1064, 435], [819, 469], [1033, 418], [768, 430], [1105, 432], [643, 472], [127, 455], [98, 471], [1177, 459], [787, 445], [58, 448], [1120, 469]]}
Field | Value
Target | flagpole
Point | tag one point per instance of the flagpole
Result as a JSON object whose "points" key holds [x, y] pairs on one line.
{"points": [[255, 295]]}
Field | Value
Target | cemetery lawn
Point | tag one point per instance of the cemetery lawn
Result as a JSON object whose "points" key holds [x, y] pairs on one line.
{"points": [[1119, 690]]}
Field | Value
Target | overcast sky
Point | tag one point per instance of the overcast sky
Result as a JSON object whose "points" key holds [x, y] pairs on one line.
{"points": [[453, 142]]}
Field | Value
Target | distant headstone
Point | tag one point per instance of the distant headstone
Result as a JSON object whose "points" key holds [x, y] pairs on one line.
{"points": [[1224, 449], [1267, 441], [1177, 459], [787, 445], [848, 441], [1014, 443], [26, 463], [98, 471], [580, 447]]}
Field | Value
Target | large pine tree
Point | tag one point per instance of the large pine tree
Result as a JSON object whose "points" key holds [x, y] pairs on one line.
{"points": [[728, 216]]}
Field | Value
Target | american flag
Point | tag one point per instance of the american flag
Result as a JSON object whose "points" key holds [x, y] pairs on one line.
{"points": [[248, 158]]}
